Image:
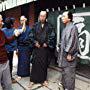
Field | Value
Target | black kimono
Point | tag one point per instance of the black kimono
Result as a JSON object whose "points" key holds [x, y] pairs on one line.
{"points": [[40, 55]]}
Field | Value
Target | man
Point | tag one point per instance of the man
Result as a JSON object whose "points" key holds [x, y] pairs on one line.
{"points": [[43, 37], [24, 51], [68, 51], [11, 47], [5, 78]]}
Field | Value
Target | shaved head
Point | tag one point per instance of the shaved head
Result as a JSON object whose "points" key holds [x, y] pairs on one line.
{"points": [[42, 16], [22, 18], [43, 13]]}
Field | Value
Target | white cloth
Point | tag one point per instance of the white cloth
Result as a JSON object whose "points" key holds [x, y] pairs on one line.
{"points": [[17, 32]]}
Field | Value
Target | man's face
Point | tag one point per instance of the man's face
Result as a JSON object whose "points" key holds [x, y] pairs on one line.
{"points": [[22, 19], [1, 21], [42, 17], [65, 18]]}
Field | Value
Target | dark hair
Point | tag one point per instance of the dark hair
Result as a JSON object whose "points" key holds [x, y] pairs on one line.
{"points": [[12, 20], [9, 22], [70, 15], [46, 13]]}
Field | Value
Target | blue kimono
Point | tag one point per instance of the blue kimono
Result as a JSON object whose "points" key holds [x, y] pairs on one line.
{"points": [[24, 52]]}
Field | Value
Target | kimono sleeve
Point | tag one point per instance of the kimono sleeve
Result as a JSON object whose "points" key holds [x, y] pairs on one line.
{"points": [[72, 43]]}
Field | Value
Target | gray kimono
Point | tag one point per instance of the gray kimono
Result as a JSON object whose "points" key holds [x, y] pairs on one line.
{"points": [[69, 45]]}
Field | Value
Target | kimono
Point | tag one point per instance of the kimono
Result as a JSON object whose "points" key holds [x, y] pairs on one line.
{"points": [[69, 45], [40, 55], [24, 52]]}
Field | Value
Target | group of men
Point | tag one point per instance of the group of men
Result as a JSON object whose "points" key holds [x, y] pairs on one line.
{"points": [[5, 77], [43, 38]]}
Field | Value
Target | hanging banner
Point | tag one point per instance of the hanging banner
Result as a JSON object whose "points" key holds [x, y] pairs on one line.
{"points": [[82, 20]]}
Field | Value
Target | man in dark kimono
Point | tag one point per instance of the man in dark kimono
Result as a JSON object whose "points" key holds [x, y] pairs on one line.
{"points": [[43, 37], [68, 51]]}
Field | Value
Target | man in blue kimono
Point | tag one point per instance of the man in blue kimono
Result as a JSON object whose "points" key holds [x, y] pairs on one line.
{"points": [[23, 45], [68, 51]]}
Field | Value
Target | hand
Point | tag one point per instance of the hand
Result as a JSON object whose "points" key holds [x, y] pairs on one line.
{"points": [[17, 52], [44, 45], [16, 33], [37, 45], [24, 20], [24, 24], [69, 57]]}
